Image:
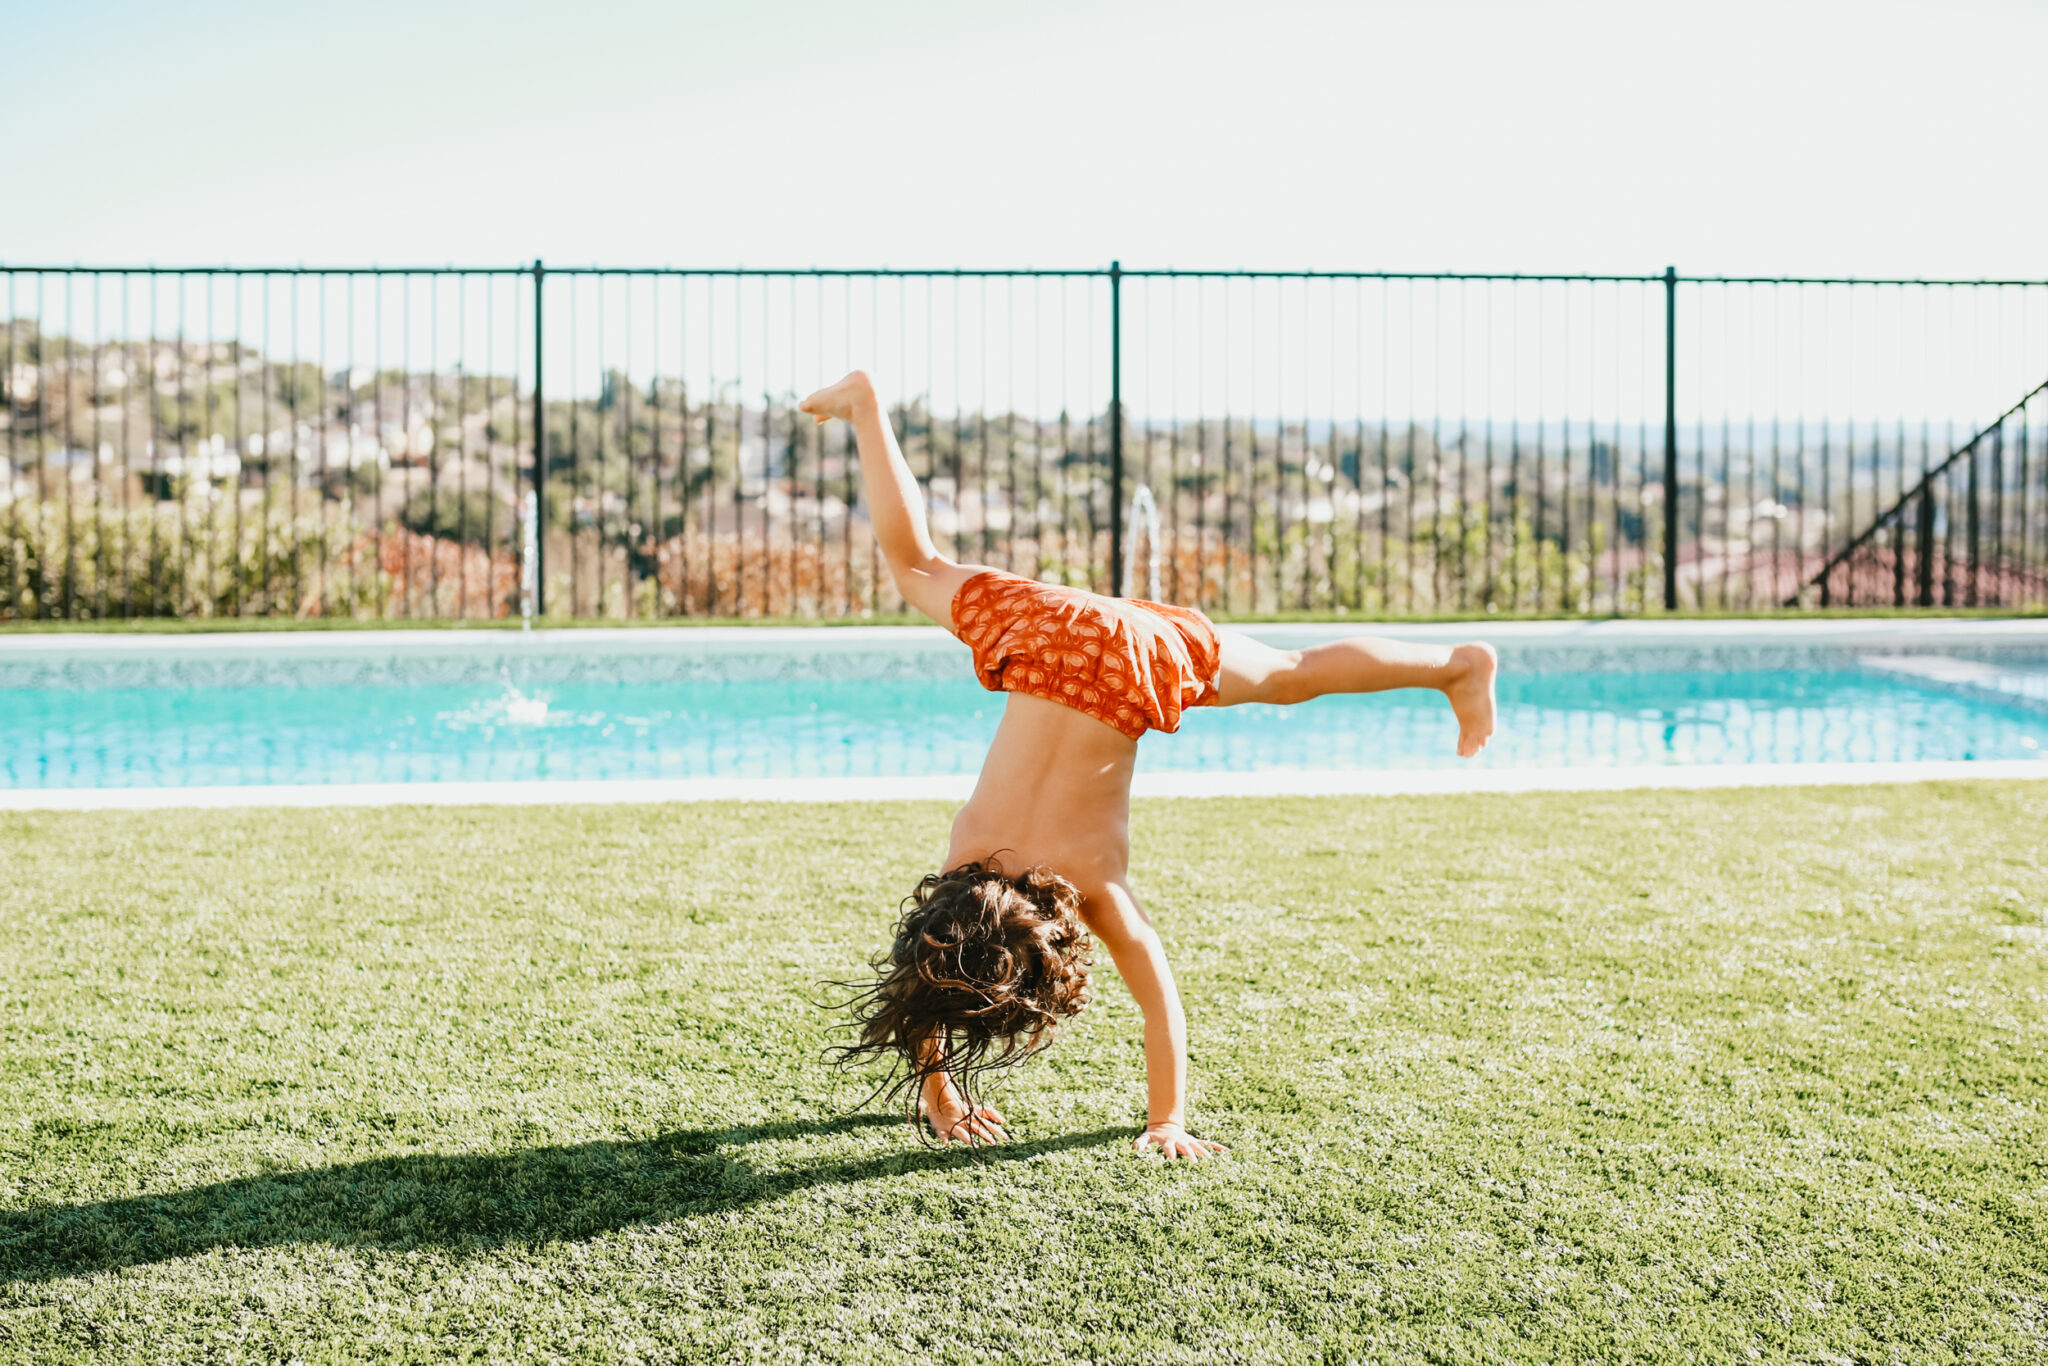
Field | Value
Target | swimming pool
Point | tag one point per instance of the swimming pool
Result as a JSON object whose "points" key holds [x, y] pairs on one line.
{"points": [[854, 710]]}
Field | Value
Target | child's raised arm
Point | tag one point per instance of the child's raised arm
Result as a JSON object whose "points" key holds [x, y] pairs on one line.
{"points": [[926, 578]]}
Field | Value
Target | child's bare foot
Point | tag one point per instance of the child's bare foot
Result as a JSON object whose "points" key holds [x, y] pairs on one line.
{"points": [[841, 399], [1472, 696]]}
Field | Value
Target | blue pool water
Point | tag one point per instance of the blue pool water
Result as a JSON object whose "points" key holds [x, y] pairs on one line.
{"points": [[502, 708]]}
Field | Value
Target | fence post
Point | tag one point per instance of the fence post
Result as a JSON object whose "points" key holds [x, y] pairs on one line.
{"points": [[1116, 429], [1671, 438], [1923, 551], [1973, 527], [540, 452]]}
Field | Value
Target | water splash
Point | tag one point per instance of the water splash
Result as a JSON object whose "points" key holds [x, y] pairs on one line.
{"points": [[1142, 506], [511, 708], [529, 561], [522, 710]]}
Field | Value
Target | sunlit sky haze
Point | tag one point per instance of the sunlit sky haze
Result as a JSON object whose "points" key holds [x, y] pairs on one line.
{"points": [[1797, 137]]}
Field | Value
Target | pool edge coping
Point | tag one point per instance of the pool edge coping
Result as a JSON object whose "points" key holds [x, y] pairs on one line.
{"points": [[1845, 631], [956, 787]]}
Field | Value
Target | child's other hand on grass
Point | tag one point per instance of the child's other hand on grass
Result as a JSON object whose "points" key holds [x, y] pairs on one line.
{"points": [[950, 1119], [1175, 1142]]}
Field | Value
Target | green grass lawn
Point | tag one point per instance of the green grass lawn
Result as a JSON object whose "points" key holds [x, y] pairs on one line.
{"points": [[1714, 1076]]}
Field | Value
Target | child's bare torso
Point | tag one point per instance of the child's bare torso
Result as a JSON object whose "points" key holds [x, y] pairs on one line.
{"points": [[1055, 791]]}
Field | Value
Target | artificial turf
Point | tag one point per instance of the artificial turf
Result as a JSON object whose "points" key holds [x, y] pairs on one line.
{"points": [[1716, 1076]]}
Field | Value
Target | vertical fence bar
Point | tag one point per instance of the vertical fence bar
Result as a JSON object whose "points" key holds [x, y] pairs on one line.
{"points": [[709, 514], [99, 488], [767, 454], [68, 453], [1923, 551], [1998, 516], [1974, 529], [1543, 525], [739, 476], [1670, 438], [378, 469], [652, 538], [601, 419], [15, 491], [1408, 462], [322, 579], [575, 394], [1116, 429], [265, 428], [540, 445], [405, 441]]}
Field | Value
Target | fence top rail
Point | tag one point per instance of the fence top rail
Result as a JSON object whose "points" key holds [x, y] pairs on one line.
{"points": [[879, 272], [1175, 272], [1857, 280], [6, 269], [965, 272], [1030, 272], [1509, 276]]}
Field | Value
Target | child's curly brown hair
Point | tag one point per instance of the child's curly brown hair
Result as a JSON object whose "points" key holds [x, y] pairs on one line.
{"points": [[984, 967]]}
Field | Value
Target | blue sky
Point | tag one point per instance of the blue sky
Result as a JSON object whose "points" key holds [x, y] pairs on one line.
{"points": [[1795, 136]]}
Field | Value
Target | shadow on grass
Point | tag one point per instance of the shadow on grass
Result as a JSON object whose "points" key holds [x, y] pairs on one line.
{"points": [[460, 1203]]}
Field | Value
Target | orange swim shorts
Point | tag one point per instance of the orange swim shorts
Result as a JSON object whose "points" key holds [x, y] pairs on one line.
{"points": [[1128, 663]]}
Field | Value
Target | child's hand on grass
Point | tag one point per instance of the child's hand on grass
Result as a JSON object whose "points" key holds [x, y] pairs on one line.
{"points": [[1175, 1142], [950, 1120]]}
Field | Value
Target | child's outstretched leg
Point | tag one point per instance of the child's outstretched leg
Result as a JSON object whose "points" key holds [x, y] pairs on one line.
{"points": [[1256, 672]]}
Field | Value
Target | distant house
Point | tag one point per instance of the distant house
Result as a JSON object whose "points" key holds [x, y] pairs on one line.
{"points": [[72, 462], [355, 449], [204, 464]]}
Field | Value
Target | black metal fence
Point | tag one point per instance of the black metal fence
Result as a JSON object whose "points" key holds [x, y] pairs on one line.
{"points": [[224, 442], [1969, 533]]}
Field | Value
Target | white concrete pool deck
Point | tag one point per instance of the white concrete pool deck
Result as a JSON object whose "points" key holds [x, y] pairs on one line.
{"points": [[1933, 633], [955, 787], [1890, 633]]}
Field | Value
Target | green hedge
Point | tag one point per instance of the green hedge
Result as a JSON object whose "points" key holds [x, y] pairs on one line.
{"points": [[181, 560]]}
